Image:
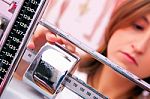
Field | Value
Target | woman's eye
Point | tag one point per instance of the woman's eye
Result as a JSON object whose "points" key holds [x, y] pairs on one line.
{"points": [[138, 26]]}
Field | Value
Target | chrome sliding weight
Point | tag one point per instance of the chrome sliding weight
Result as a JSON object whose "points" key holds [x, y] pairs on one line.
{"points": [[52, 69], [141, 83]]}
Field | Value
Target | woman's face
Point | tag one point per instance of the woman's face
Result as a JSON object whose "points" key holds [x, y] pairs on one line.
{"points": [[130, 47]]}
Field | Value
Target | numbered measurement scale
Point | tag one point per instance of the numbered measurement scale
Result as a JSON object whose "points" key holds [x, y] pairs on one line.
{"points": [[21, 26], [16, 36], [43, 73]]}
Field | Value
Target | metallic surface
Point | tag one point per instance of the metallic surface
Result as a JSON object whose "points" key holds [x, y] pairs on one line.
{"points": [[141, 83], [42, 75]]}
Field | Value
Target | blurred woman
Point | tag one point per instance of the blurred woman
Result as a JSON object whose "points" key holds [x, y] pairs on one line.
{"points": [[126, 43]]}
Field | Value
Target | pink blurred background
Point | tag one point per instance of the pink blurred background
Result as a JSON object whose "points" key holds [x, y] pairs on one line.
{"points": [[84, 19]]}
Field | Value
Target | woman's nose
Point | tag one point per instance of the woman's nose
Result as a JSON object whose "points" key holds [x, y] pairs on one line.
{"points": [[140, 46]]}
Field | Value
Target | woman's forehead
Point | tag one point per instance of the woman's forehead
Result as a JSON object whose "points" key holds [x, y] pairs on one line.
{"points": [[145, 18]]}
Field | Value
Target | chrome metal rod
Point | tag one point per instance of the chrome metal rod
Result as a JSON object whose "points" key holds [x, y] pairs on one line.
{"points": [[141, 83]]}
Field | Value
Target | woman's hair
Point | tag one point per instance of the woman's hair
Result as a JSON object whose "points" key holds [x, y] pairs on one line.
{"points": [[122, 17]]}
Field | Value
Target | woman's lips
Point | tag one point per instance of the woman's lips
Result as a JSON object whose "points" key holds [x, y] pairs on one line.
{"points": [[130, 58]]}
